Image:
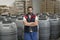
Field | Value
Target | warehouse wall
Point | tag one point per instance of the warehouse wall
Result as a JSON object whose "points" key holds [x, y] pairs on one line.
{"points": [[36, 6], [7, 2]]}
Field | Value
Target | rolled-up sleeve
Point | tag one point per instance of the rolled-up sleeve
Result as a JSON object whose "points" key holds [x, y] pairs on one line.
{"points": [[24, 18], [36, 18]]}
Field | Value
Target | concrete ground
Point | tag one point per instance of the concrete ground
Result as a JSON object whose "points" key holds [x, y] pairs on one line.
{"points": [[58, 39]]}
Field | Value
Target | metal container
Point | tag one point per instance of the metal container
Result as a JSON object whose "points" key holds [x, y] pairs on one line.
{"points": [[59, 26], [44, 29], [8, 31], [54, 28], [20, 29]]}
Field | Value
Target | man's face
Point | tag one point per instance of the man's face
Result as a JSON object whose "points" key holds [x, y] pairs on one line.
{"points": [[30, 10]]}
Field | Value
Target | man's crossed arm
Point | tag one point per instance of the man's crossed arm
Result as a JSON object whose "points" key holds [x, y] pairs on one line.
{"points": [[30, 23]]}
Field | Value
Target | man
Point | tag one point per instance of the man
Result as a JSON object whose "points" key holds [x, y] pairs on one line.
{"points": [[30, 25]]}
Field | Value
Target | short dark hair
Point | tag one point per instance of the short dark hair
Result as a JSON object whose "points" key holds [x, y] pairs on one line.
{"points": [[29, 7]]}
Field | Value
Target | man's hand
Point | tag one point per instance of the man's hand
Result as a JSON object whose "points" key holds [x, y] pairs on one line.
{"points": [[34, 23]]}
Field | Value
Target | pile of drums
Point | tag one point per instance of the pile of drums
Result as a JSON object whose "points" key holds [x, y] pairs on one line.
{"points": [[49, 27], [12, 28]]}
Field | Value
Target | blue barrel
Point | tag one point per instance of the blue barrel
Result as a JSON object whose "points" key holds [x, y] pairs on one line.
{"points": [[44, 29], [8, 31]]}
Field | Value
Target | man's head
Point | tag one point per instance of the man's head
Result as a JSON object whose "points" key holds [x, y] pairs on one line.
{"points": [[30, 9]]}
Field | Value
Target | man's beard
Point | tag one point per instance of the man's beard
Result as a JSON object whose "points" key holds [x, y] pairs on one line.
{"points": [[30, 13]]}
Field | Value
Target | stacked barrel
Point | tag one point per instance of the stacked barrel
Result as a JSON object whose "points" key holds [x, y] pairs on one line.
{"points": [[12, 27]]}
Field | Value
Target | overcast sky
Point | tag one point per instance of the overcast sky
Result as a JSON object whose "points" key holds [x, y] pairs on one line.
{"points": [[7, 2]]}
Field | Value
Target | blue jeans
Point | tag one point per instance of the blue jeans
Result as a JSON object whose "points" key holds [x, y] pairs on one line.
{"points": [[30, 35]]}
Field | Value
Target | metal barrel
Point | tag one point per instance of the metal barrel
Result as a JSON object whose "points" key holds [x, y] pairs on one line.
{"points": [[20, 29], [8, 31], [59, 26], [44, 29], [54, 28]]}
